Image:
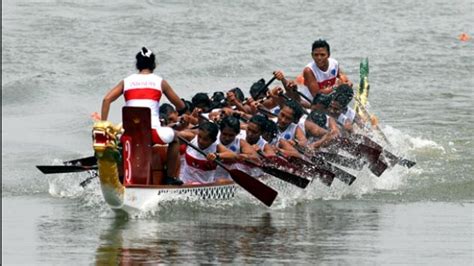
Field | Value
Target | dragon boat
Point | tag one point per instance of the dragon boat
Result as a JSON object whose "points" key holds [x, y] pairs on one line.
{"points": [[132, 179], [131, 173]]}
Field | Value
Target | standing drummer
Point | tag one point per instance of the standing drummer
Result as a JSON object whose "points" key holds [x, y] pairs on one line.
{"points": [[144, 89]]}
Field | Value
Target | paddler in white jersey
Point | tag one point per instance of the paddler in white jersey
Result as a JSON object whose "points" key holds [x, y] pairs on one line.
{"points": [[339, 109], [289, 133], [321, 75], [145, 89], [200, 169], [230, 136]]}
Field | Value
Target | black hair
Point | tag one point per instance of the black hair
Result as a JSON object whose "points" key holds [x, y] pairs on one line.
{"points": [[166, 109], [231, 122], [324, 99], [321, 44], [260, 121], [238, 94], [297, 111], [345, 90], [145, 60], [189, 105], [270, 129], [200, 99], [318, 118], [211, 129], [343, 100], [258, 89], [218, 100]]}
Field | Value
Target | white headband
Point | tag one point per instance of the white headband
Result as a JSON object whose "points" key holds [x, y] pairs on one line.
{"points": [[147, 54]]}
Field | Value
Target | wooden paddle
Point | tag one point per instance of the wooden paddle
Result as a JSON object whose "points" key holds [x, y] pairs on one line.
{"points": [[60, 169], [258, 189], [392, 157], [348, 162], [86, 161], [286, 176], [296, 163], [340, 174]]}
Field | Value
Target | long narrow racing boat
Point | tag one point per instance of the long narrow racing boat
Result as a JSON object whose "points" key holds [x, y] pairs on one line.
{"points": [[130, 182]]}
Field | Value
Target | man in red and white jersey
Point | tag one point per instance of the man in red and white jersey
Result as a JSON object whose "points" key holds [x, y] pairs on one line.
{"points": [[321, 75], [145, 89]]}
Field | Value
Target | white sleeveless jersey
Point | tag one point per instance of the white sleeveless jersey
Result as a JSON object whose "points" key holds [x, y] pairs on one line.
{"points": [[312, 138], [328, 77], [301, 123], [234, 146], [144, 90], [288, 133], [350, 114], [196, 167], [261, 143]]}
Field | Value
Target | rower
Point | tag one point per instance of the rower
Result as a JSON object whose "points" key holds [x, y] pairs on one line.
{"points": [[228, 136], [288, 130], [321, 75], [197, 168], [145, 89], [255, 129], [339, 109], [320, 129], [168, 114]]}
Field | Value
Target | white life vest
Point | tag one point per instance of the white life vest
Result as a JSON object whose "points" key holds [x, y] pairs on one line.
{"points": [[144, 90], [328, 77], [196, 167]]}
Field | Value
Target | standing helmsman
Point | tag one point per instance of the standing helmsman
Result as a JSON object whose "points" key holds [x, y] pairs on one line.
{"points": [[321, 75]]}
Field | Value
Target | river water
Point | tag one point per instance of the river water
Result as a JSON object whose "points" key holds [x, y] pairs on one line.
{"points": [[59, 58]]}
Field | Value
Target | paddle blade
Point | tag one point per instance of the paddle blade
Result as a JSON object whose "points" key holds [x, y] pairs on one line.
{"points": [[377, 168], [258, 189], [352, 163], [87, 161], [407, 163], [286, 176], [59, 169], [326, 177]]}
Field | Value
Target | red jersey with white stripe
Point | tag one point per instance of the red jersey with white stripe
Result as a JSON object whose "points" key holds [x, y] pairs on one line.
{"points": [[325, 78], [144, 90]]}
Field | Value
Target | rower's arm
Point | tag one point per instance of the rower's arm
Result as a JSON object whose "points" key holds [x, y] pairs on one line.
{"points": [[225, 154], [187, 134], [328, 138], [111, 96], [312, 84], [313, 129], [247, 150], [343, 77], [300, 137], [172, 96]]}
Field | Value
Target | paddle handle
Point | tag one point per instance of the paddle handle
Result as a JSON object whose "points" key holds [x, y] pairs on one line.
{"points": [[269, 82], [266, 112], [265, 86], [304, 96], [377, 128], [289, 99]]}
